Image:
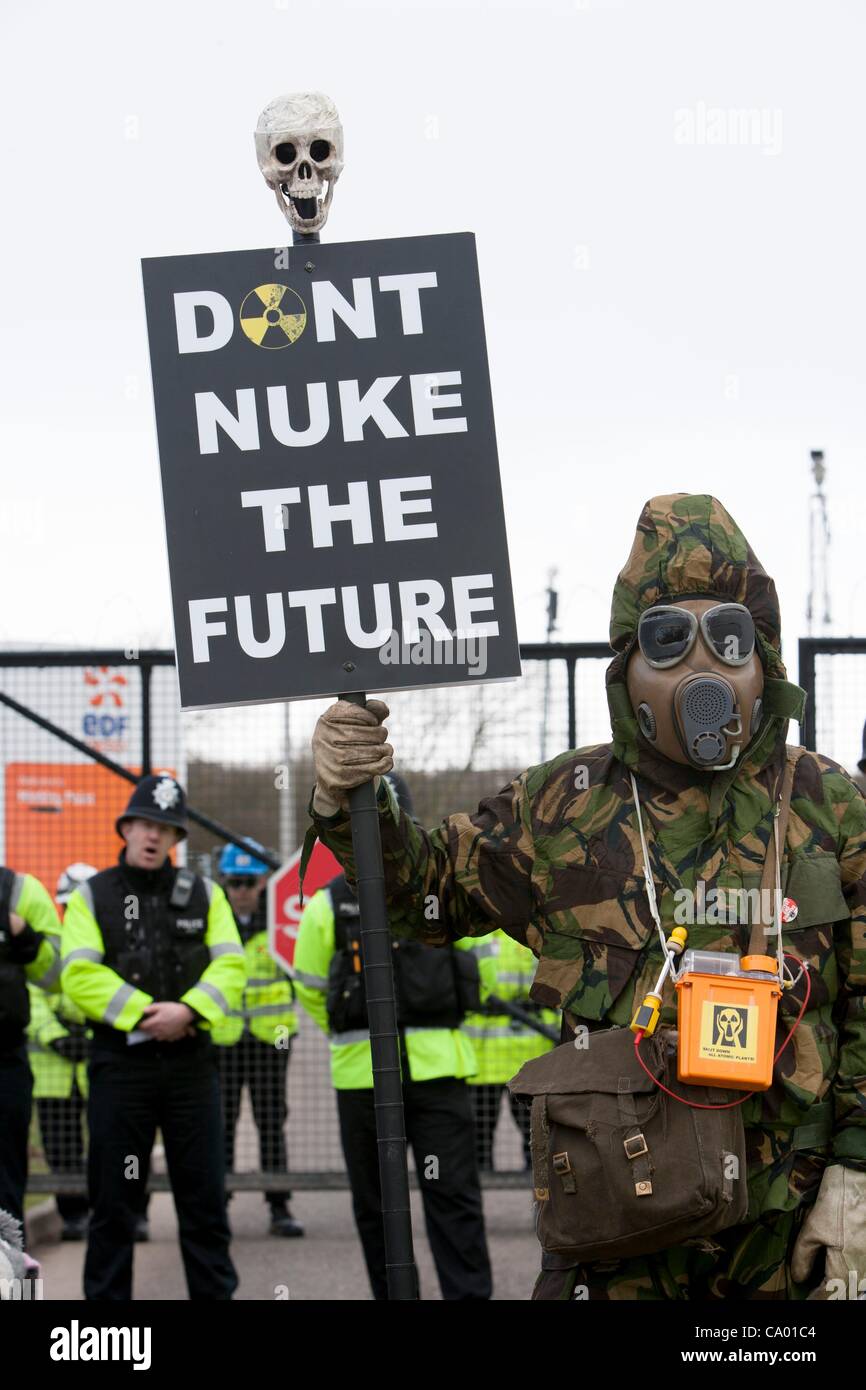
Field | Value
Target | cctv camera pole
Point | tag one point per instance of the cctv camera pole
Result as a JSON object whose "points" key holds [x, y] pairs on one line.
{"points": [[382, 1012]]}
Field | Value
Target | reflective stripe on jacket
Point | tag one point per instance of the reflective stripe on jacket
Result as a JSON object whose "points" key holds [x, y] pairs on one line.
{"points": [[502, 1043], [267, 1007], [432, 1052], [105, 997], [53, 1075]]}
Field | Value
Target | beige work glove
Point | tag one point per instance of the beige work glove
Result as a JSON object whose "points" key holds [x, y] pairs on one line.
{"points": [[349, 748], [837, 1225]]}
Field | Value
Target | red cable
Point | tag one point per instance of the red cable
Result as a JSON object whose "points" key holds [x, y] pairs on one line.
{"points": [[697, 1105]]}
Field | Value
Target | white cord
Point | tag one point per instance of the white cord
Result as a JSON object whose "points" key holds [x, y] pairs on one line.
{"points": [[649, 885]]}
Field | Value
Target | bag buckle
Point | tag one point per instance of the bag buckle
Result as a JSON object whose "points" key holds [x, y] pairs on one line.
{"points": [[635, 1146], [562, 1169]]}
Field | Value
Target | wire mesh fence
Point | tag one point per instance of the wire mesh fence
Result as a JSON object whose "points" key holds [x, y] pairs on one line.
{"points": [[248, 769], [833, 674]]}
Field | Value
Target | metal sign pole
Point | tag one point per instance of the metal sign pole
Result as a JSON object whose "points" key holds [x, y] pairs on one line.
{"points": [[378, 964], [384, 1044]]}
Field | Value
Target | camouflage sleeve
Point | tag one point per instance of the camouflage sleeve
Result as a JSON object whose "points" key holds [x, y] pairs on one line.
{"points": [[465, 878], [849, 1087]]}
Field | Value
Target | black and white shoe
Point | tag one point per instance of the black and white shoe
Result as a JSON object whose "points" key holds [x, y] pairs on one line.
{"points": [[284, 1224]]}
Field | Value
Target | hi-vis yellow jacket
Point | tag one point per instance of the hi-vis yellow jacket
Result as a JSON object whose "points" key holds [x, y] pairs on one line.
{"points": [[267, 1007], [53, 1075], [432, 1052], [105, 997], [31, 901], [502, 1043]]}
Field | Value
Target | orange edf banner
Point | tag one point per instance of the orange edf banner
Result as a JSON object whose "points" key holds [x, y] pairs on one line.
{"points": [[59, 814]]}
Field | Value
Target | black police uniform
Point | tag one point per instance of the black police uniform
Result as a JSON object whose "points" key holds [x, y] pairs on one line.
{"points": [[139, 1087], [16, 1081]]}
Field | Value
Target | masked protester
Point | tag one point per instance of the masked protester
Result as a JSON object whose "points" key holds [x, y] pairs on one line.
{"points": [[699, 705]]}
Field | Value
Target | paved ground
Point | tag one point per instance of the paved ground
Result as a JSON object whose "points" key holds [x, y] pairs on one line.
{"points": [[325, 1265]]}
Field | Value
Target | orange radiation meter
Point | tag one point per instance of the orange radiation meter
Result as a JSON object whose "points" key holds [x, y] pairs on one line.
{"points": [[727, 1019]]}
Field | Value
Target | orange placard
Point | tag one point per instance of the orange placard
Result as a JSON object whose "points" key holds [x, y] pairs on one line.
{"points": [[57, 814]]}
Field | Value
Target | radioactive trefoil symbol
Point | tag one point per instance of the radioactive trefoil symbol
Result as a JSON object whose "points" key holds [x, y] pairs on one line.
{"points": [[730, 1027], [273, 316]]}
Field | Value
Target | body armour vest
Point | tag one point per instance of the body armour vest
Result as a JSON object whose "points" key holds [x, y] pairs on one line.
{"points": [[14, 999], [435, 986], [153, 927]]}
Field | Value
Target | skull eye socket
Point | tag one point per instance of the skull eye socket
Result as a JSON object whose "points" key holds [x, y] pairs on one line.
{"points": [[320, 150], [285, 153]]}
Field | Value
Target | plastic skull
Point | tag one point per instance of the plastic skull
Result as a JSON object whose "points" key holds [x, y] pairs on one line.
{"points": [[299, 146]]}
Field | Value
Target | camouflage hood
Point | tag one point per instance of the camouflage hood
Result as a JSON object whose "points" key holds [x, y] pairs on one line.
{"points": [[690, 547]]}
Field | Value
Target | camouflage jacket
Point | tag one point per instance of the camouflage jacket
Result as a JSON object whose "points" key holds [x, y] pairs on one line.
{"points": [[554, 860]]}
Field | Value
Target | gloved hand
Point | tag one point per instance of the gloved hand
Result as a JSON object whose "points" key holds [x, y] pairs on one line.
{"points": [[349, 748], [72, 1047], [837, 1225]]}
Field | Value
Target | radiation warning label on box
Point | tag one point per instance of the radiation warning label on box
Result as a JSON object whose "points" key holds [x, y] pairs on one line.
{"points": [[729, 1032]]}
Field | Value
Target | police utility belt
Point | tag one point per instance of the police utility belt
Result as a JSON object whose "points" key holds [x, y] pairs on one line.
{"points": [[435, 986]]}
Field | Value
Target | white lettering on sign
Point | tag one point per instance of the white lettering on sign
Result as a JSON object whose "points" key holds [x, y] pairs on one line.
{"points": [[418, 601], [407, 286], [223, 321], [395, 507], [356, 511], [312, 602], [465, 606], [352, 616], [274, 503], [271, 403], [358, 317], [317, 410], [426, 397], [201, 629], [242, 428], [357, 409], [276, 638], [329, 303], [241, 425]]}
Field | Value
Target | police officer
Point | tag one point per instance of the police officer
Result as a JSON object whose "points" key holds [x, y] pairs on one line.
{"points": [[151, 955], [254, 1041], [29, 953], [502, 1042], [58, 1047], [436, 1058]]}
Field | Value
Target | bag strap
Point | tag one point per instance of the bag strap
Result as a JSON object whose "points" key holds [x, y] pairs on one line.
{"points": [[539, 1141], [770, 876]]}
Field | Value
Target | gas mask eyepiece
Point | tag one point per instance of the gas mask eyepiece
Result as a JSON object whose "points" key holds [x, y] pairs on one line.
{"points": [[666, 634]]}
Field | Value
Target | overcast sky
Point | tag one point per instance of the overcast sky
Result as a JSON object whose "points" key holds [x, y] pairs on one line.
{"points": [[663, 313]]}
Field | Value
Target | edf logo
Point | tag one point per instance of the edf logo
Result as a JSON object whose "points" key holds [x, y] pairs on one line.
{"points": [[108, 688]]}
